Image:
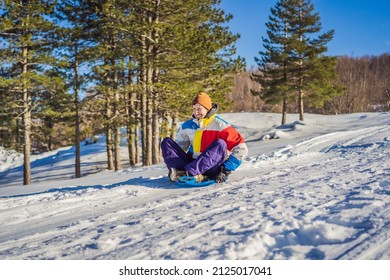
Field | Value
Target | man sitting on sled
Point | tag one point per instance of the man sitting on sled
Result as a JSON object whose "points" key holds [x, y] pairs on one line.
{"points": [[206, 147]]}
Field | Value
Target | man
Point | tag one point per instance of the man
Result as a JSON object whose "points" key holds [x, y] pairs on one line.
{"points": [[206, 146]]}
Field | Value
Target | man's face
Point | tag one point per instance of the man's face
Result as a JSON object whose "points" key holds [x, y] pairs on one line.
{"points": [[199, 111]]}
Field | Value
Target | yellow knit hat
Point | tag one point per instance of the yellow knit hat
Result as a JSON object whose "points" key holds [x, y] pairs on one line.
{"points": [[203, 99]]}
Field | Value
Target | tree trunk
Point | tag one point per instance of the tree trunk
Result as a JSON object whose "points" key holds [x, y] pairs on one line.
{"points": [[300, 91], [156, 132], [132, 118], [174, 125], [149, 122], [117, 150], [131, 126], [109, 137], [155, 93], [136, 141], [284, 111], [300, 105], [50, 125], [146, 99], [77, 128], [26, 123], [143, 113], [131, 144]]}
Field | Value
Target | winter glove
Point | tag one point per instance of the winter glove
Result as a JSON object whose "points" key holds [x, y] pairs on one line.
{"points": [[222, 175]]}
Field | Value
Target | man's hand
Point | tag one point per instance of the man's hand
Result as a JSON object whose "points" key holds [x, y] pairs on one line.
{"points": [[222, 175]]}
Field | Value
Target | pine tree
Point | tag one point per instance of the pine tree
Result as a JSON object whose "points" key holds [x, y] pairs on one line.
{"points": [[100, 30], [274, 63], [150, 57], [183, 48], [71, 47], [26, 31], [312, 68], [294, 62]]}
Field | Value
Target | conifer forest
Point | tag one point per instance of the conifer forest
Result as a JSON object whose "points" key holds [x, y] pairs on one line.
{"points": [[129, 69]]}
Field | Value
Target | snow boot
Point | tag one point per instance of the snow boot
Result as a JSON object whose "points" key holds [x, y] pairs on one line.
{"points": [[175, 174]]}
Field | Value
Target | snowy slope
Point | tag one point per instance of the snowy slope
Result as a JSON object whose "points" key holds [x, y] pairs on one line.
{"points": [[318, 189]]}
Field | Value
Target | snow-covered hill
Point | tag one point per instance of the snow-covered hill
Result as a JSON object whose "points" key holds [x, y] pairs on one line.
{"points": [[318, 189]]}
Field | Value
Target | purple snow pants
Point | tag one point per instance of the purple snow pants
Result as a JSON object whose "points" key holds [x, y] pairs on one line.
{"points": [[207, 163]]}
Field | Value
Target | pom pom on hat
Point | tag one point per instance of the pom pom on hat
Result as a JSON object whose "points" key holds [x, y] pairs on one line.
{"points": [[203, 99]]}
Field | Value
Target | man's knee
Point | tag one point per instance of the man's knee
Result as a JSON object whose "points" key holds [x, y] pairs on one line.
{"points": [[166, 140], [221, 143]]}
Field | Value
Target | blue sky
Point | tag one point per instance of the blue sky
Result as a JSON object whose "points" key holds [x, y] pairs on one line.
{"points": [[362, 27]]}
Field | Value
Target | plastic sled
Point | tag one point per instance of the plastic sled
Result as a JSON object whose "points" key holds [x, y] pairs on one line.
{"points": [[190, 181]]}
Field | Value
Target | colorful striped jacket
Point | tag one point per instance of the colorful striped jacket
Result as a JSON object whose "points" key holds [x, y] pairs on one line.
{"points": [[194, 136]]}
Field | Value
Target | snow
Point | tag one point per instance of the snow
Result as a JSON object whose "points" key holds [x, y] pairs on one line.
{"points": [[315, 189]]}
